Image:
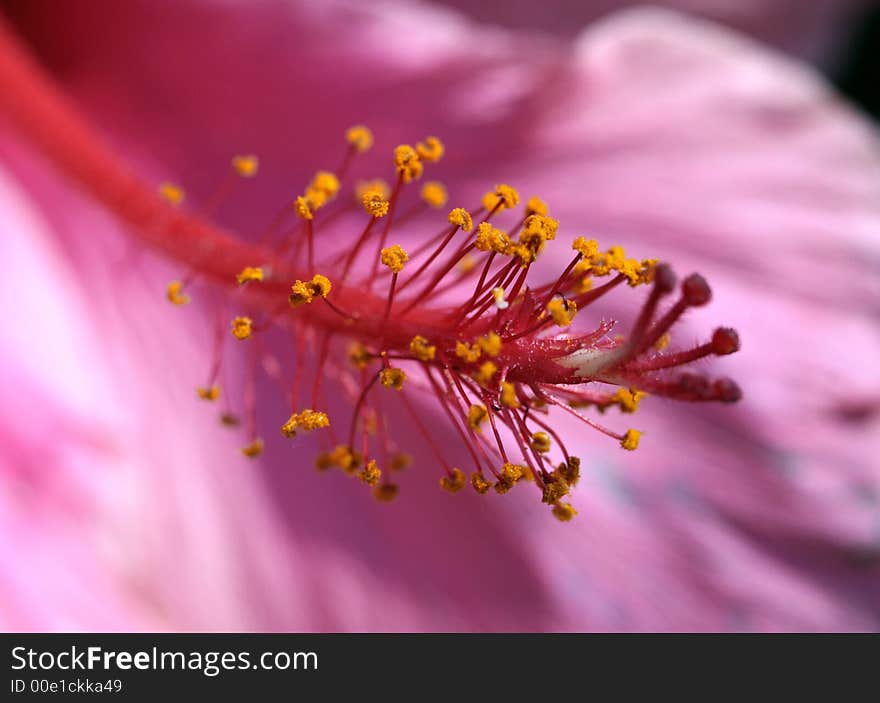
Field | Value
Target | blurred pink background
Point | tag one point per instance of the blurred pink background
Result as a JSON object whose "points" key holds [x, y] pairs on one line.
{"points": [[699, 132]]}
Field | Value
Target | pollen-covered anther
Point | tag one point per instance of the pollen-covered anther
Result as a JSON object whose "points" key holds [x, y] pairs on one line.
{"points": [[340, 456], [171, 193], [485, 373], [322, 189], [628, 399], [434, 194], [305, 420], [510, 475], [489, 238], [304, 292], [408, 163], [587, 248], [431, 149], [500, 301], [725, 341], [454, 482], [570, 470], [370, 474], [360, 138], [253, 449], [479, 483], [504, 196], [469, 353], [536, 206], [245, 165], [303, 210], [630, 440], [242, 327], [562, 311], [540, 442], [477, 414], [461, 218], [210, 393], [394, 257], [249, 274], [490, 344], [392, 378], [564, 512], [375, 204], [174, 293], [508, 395], [555, 488], [421, 349]]}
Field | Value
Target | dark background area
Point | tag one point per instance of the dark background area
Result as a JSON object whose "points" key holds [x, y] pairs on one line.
{"points": [[858, 72]]}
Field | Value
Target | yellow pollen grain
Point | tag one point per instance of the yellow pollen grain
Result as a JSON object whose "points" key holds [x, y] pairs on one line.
{"points": [[392, 378], [510, 475], [562, 311], [171, 193], [306, 420], [454, 482], [245, 165], [485, 373], [570, 470], [467, 353], [394, 257], [663, 342], [461, 218], [360, 138], [588, 248], [479, 483], [502, 197], [500, 301], [555, 488], [301, 205], [370, 474], [407, 162], [477, 414], [628, 399], [375, 204], [253, 449], [431, 149], [508, 395], [325, 183], [541, 442], [304, 292], [421, 349], [210, 393], [630, 440], [490, 344], [242, 328], [564, 512], [434, 194], [248, 274], [174, 293], [536, 206], [489, 238]]}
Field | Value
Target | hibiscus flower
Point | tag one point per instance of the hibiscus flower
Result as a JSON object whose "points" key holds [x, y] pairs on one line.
{"points": [[126, 507]]}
